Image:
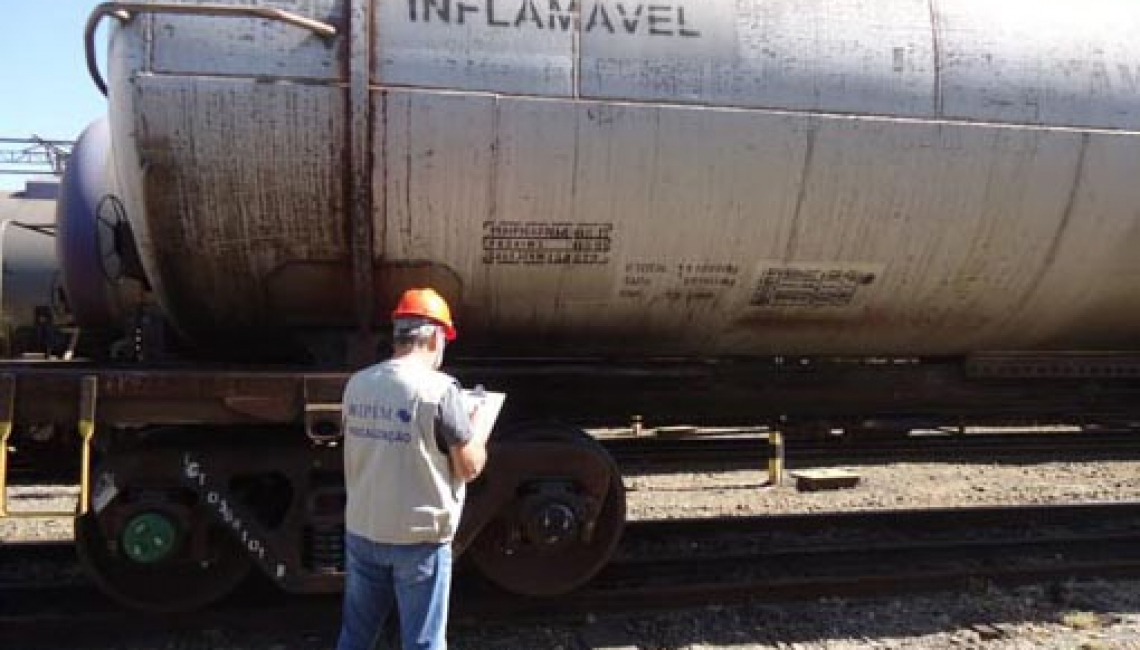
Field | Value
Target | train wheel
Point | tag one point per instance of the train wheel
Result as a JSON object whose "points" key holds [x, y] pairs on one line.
{"points": [[151, 562], [563, 519]]}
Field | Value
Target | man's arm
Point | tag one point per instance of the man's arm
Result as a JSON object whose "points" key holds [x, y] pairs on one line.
{"points": [[466, 449], [469, 459]]}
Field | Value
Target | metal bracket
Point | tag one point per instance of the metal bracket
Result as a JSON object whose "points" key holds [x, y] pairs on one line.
{"points": [[263, 545], [323, 418], [126, 11]]}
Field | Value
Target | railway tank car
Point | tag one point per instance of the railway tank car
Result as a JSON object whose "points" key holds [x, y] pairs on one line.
{"points": [[860, 178], [795, 213], [31, 303]]}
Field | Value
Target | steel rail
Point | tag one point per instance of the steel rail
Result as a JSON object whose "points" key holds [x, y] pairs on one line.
{"points": [[838, 572], [730, 560], [922, 520], [870, 563]]}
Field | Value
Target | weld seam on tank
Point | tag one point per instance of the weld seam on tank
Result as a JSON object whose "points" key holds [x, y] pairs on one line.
{"points": [[801, 196], [774, 111], [936, 53], [1059, 233]]}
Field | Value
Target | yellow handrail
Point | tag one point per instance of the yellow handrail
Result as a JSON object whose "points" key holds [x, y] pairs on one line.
{"points": [[7, 397], [88, 392]]}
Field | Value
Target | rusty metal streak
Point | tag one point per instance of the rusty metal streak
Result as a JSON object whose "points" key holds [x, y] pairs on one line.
{"points": [[359, 191]]}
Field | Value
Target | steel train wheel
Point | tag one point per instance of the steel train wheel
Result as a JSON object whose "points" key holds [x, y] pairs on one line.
{"points": [[541, 545], [145, 568]]}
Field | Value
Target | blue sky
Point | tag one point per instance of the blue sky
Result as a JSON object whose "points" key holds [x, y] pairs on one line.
{"points": [[44, 86]]}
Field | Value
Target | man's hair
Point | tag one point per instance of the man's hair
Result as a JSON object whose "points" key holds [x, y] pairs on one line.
{"points": [[413, 330]]}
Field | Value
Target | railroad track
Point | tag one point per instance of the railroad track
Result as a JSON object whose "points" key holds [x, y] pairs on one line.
{"points": [[662, 565], [684, 563]]}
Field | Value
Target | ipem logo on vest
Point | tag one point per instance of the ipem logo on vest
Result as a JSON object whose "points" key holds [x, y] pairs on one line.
{"points": [[379, 422]]}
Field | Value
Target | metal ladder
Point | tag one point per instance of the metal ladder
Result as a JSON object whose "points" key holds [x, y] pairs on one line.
{"points": [[88, 388]]}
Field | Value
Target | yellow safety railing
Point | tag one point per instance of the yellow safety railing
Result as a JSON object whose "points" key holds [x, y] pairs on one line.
{"points": [[88, 388], [775, 458]]}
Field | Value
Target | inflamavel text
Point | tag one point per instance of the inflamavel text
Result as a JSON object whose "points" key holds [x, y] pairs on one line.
{"points": [[656, 19]]}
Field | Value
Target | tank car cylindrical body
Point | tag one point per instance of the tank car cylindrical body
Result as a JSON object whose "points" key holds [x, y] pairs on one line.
{"points": [[29, 300], [677, 177]]}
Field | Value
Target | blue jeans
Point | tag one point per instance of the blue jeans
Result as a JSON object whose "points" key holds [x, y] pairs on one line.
{"points": [[414, 577]]}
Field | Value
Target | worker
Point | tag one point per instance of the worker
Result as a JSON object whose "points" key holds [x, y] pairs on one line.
{"points": [[409, 449]]}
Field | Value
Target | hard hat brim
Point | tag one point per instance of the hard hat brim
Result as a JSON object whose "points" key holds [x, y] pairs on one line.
{"points": [[449, 331]]}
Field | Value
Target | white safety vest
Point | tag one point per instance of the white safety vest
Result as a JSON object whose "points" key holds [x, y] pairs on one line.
{"points": [[401, 489]]}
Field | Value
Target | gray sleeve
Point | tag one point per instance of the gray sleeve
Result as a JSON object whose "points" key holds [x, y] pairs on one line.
{"points": [[452, 425]]}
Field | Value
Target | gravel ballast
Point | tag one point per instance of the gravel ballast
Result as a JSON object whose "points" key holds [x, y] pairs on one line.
{"points": [[1072, 616]]}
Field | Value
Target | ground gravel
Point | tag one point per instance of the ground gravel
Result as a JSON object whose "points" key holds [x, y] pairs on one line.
{"points": [[1076, 616], [1072, 616], [896, 485]]}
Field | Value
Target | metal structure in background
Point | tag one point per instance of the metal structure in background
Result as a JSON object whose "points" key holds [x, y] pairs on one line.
{"points": [[34, 156]]}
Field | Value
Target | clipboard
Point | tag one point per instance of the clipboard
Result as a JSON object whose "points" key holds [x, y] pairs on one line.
{"points": [[483, 408]]}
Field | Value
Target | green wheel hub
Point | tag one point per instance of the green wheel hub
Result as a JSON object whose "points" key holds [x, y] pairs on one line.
{"points": [[149, 538]]}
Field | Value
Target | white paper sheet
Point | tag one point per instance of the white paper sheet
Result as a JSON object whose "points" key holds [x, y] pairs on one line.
{"points": [[483, 406]]}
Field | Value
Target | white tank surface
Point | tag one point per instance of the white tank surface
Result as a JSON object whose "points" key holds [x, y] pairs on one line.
{"points": [[867, 177]]}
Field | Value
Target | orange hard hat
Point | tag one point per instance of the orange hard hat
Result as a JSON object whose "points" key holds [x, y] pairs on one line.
{"points": [[427, 304]]}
